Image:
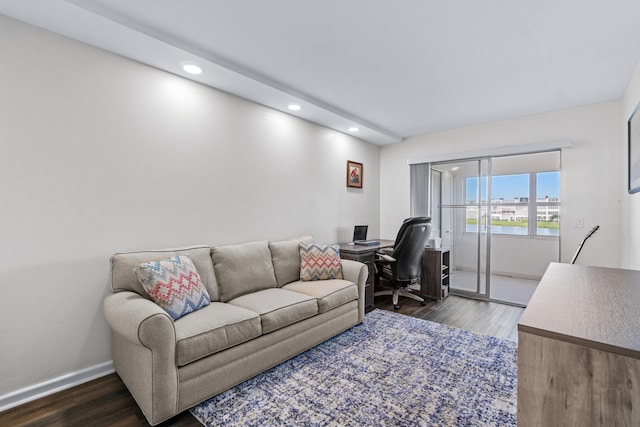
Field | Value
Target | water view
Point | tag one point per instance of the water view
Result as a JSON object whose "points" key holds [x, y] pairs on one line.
{"points": [[514, 230]]}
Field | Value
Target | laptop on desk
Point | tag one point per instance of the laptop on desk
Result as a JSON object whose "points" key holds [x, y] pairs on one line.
{"points": [[360, 236]]}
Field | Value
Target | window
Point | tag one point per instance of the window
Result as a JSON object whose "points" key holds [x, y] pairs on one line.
{"points": [[548, 203], [512, 209]]}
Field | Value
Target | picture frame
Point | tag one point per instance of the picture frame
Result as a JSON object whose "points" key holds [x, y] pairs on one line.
{"points": [[633, 127], [354, 174]]}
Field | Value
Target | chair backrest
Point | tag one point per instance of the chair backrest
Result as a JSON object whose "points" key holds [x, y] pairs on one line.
{"points": [[408, 222], [409, 247]]}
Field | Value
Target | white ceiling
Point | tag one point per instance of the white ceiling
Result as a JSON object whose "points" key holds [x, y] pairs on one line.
{"points": [[395, 68]]}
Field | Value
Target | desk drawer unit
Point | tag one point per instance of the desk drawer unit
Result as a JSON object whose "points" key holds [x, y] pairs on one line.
{"points": [[368, 259]]}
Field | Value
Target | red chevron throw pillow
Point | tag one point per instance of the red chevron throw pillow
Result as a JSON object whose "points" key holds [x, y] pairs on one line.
{"points": [[174, 284], [319, 262]]}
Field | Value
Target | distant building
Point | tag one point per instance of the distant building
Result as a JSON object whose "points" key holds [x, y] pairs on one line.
{"points": [[517, 209]]}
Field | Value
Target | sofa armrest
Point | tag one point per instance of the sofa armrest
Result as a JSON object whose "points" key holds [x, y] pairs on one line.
{"points": [[357, 273], [139, 320], [144, 352]]}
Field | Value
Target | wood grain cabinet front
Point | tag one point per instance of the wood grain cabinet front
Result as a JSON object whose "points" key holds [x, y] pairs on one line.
{"points": [[579, 349], [368, 259], [366, 255], [434, 283]]}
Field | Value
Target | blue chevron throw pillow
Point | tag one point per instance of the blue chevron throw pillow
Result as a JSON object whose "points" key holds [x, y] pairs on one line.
{"points": [[319, 262], [174, 284]]}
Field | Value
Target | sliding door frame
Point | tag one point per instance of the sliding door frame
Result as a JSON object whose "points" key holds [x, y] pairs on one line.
{"points": [[488, 220], [477, 294]]}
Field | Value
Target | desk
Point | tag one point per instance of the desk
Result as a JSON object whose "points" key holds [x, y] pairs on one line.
{"points": [[579, 349], [366, 255]]}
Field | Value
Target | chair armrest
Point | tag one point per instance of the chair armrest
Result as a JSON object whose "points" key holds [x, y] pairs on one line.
{"points": [[139, 320], [385, 251], [383, 258]]}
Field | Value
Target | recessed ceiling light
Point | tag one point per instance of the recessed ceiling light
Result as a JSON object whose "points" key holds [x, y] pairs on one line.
{"points": [[353, 129], [455, 168], [295, 107], [192, 68]]}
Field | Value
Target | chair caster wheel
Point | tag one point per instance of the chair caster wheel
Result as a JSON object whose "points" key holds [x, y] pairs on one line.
{"points": [[396, 307], [423, 303]]}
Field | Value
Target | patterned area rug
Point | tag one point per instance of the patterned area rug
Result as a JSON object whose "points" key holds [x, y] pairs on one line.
{"points": [[392, 370]]}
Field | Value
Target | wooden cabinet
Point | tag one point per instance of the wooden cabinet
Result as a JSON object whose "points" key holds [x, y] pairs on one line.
{"points": [[368, 259], [435, 274], [365, 255], [579, 349]]}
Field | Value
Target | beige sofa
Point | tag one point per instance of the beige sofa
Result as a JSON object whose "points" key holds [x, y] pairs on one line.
{"points": [[261, 314]]}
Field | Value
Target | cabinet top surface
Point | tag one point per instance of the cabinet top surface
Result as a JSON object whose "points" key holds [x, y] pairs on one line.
{"points": [[441, 250], [352, 248], [595, 307]]}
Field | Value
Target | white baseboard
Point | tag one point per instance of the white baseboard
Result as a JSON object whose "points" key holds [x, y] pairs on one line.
{"points": [[54, 385]]}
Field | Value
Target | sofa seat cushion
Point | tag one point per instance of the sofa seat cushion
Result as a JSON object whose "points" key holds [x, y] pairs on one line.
{"points": [[214, 328], [278, 307], [329, 293]]}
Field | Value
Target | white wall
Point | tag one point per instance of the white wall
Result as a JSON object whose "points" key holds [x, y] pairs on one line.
{"points": [[100, 154], [631, 219], [590, 179]]}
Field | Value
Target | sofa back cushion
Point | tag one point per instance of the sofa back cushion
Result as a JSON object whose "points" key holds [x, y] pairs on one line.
{"points": [[124, 278], [242, 269], [286, 259]]}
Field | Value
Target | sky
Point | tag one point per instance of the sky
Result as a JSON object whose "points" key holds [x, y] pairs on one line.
{"points": [[513, 186]]}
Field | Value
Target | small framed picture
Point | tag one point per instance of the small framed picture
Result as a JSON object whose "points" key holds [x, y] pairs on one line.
{"points": [[354, 174], [634, 151]]}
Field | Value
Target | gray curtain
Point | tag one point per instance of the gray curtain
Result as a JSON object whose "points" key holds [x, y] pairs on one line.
{"points": [[420, 189]]}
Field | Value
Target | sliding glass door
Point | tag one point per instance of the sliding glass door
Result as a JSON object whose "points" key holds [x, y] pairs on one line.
{"points": [[499, 218], [525, 218], [459, 206]]}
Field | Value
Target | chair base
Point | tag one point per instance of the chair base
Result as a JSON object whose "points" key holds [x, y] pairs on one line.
{"points": [[396, 293]]}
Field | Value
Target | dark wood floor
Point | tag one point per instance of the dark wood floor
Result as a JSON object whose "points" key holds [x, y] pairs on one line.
{"points": [[106, 402], [481, 317]]}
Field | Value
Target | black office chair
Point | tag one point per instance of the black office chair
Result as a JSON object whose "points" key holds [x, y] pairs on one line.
{"points": [[402, 264]]}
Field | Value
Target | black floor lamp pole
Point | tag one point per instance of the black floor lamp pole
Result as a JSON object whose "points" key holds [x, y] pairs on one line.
{"points": [[589, 234]]}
